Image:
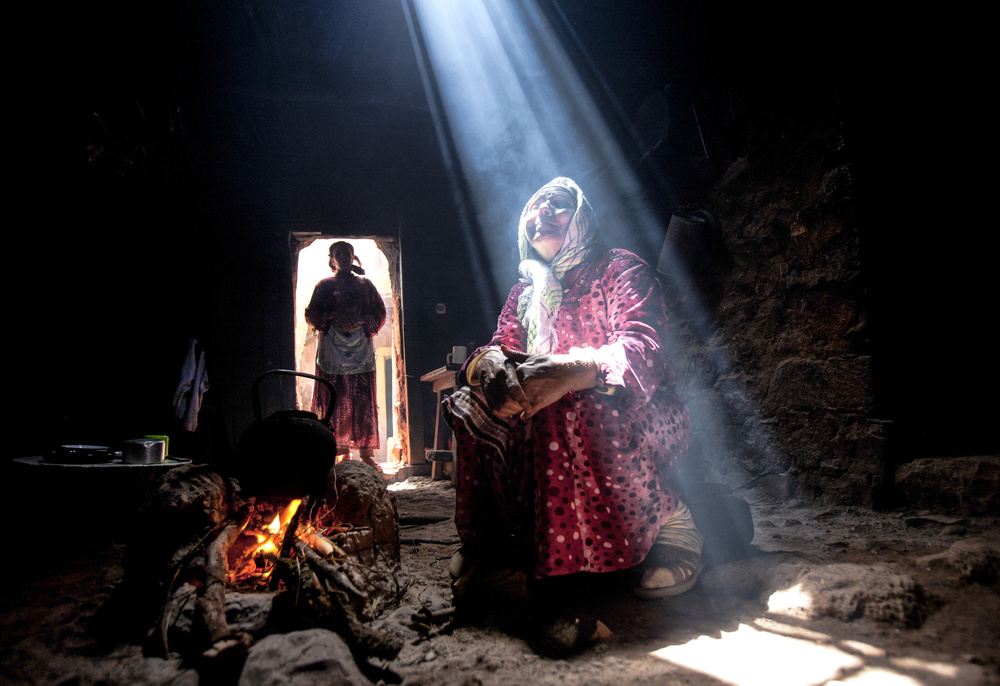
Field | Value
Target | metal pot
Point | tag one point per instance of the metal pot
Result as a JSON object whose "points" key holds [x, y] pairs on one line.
{"points": [[143, 451]]}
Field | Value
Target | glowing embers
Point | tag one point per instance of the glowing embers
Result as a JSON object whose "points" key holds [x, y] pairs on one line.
{"points": [[271, 532]]}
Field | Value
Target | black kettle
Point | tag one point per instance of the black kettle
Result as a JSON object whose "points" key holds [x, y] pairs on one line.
{"points": [[289, 453]]}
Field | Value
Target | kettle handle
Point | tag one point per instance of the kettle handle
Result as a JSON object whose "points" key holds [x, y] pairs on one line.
{"points": [[256, 391]]}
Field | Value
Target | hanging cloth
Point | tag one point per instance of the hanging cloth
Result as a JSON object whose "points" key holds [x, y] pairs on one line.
{"points": [[191, 387]]}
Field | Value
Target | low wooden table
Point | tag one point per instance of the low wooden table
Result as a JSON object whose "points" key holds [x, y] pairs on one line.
{"points": [[442, 380]]}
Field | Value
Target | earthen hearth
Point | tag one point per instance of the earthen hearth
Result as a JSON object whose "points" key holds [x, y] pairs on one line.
{"points": [[204, 549]]}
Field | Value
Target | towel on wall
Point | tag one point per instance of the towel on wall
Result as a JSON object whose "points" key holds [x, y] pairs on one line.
{"points": [[191, 387]]}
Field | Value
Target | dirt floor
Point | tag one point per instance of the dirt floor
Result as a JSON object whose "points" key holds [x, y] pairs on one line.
{"points": [[827, 596]]}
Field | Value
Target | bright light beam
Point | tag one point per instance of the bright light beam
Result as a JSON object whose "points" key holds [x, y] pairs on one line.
{"points": [[519, 115]]}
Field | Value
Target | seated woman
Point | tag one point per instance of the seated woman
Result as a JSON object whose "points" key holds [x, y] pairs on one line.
{"points": [[566, 425], [348, 311]]}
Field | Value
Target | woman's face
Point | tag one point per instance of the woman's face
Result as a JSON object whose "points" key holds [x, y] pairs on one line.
{"points": [[341, 258], [546, 221]]}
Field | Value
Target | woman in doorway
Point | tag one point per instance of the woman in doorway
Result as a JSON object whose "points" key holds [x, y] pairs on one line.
{"points": [[567, 425], [348, 312]]}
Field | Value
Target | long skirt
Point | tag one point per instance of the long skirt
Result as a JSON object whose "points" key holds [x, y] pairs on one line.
{"points": [[583, 487], [355, 413]]}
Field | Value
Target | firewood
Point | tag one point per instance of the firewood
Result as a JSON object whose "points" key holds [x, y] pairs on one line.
{"points": [[330, 608], [302, 584], [293, 527], [324, 546], [212, 599], [243, 555], [178, 566], [330, 573]]}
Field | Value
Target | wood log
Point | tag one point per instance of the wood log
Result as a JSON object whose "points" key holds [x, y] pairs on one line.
{"points": [[307, 590], [332, 574], [211, 610], [293, 528], [165, 613], [325, 547]]}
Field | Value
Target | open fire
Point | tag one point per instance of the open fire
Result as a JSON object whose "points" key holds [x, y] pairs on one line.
{"points": [[272, 531], [327, 558]]}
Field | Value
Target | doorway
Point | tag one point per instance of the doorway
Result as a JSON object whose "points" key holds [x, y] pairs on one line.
{"points": [[312, 267]]}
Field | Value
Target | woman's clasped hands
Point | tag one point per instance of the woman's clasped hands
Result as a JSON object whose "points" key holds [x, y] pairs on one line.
{"points": [[343, 322], [514, 382]]}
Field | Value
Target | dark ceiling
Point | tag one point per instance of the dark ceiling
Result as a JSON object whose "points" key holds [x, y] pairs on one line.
{"points": [[313, 111]]}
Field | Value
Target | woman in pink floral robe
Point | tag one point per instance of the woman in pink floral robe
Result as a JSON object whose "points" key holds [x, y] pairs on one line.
{"points": [[569, 426]]}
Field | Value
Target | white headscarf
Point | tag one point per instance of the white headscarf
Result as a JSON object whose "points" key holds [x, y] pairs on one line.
{"points": [[539, 303]]}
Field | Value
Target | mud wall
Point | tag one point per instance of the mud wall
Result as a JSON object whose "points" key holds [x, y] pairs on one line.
{"points": [[773, 350]]}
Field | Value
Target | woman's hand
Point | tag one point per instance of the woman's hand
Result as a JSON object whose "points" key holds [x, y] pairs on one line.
{"points": [[497, 372], [546, 378], [343, 322]]}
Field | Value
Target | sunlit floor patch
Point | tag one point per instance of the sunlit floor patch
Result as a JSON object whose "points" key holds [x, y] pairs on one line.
{"points": [[941, 669], [771, 653], [750, 657], [877, 677], [792, 602], [403, 486]]}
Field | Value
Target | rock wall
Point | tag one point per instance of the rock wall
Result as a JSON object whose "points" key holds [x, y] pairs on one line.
{"points": [[771, 346]]}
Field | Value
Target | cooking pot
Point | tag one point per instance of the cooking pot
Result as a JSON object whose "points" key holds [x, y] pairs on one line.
{"points": [[289, 453], [143, 451]]}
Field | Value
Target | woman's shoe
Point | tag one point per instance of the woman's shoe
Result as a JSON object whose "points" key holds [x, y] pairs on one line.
{"points": [[672, 571], [674, 563], [372, 462]]}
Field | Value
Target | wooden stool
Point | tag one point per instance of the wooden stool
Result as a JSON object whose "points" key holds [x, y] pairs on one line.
{"points": [[441, 380]]}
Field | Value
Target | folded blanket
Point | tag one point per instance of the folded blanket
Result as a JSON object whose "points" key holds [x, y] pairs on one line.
{"points": [[467, 407]]}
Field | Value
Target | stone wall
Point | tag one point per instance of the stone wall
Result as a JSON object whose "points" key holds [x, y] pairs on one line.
{"points": [[771, 345]]}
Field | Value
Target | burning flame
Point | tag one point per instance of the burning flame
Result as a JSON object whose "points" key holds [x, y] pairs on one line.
{"points": [[268, 541], [288, 513], [246, 565]]}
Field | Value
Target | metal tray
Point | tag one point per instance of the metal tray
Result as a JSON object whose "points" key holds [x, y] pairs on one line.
{"points": [[38, 460]]}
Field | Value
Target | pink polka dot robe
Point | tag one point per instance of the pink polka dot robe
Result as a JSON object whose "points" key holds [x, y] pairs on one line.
{"points": [[583, 487]]}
